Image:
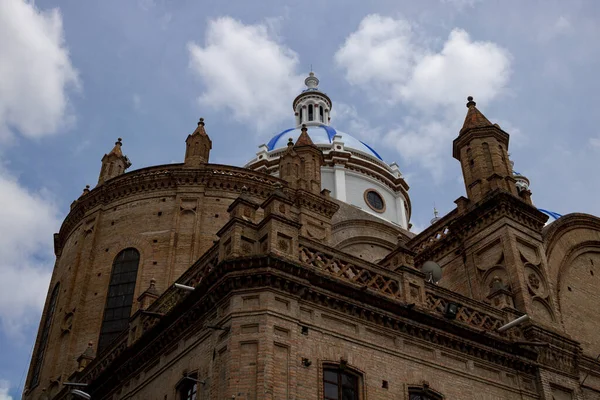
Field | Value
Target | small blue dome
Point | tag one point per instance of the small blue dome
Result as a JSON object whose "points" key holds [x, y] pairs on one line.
{"points": [[322, 134], [553, 215]]}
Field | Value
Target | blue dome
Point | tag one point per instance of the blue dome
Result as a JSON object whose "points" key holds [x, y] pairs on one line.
{"points": [[553, 215], [321, 135]]}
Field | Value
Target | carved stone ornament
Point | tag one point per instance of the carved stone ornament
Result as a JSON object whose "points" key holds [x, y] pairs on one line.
{"points": [[67, 323], [534, 281], [246, 249], [282, 245], [414, 291]]}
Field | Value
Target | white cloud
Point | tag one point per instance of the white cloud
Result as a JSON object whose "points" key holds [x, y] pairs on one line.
{"points": [[379, 54], [4, 386], [346, 118], [462, 67], [246, 69], [595, 142], [26, 253], [385, 57], [35, 71], [393, 63]]}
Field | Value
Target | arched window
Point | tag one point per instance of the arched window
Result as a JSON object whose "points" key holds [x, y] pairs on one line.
{"points": [[470, 158], [301, 114], [310, 112], [188, 388], [321, 114], [340, 383], [39, 354], [120, 296], [423, 393], [488, 158]]}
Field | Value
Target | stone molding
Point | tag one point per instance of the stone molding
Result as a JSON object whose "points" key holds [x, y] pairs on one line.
{"points": [[432, 243], [553, 232], [160, 179], [312, 284]]}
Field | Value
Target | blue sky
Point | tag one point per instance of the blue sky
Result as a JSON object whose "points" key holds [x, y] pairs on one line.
{"points": [[76, 75]]}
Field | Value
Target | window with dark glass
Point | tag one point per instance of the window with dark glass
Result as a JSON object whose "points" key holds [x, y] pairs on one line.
{"points": [[120, 296], [310, 112], [422, 394], [321, 114], [39, 354], [188, 388], [375, 201], [301, 112], [339, 384]]}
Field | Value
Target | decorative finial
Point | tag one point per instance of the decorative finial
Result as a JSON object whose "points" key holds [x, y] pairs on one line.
{"points": [[119, 142], [290, 142], [436, 217], [201, 122], [312, 82], [304, 127], [86, 190], [244, 189], [90, 344], [152, 283], [470, 102]]}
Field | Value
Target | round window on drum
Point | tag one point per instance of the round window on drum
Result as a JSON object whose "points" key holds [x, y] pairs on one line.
{"points": [[374, 200]]}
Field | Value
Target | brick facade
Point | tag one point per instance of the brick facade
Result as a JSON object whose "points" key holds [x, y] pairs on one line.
{"points": [[289, 281]]}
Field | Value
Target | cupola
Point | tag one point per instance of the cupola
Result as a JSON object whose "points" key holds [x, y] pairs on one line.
{"points": [[312, 107]]}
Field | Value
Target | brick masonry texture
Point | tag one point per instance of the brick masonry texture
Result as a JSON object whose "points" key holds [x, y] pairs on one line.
{"points": [[289, 281]]}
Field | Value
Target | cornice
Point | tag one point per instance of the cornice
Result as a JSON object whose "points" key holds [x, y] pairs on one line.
{"points": [[478, 132], [433, 242], [165, 178], [351, 158], [315, 203], [317, 94], [553, 232], [311, 286]]}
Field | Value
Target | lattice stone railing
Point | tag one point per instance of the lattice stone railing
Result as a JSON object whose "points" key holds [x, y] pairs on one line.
{"points": [[468, 315], [345, 268], [349, 271], [244, 174]]}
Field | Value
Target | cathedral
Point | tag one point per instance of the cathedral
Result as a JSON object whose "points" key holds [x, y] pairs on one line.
{"points": [[297, 277]]}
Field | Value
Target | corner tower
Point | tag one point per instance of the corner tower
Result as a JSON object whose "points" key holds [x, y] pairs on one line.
{"points": [[197, 147], [499, 254], [482, 149], [113, 163], [301, 164]]}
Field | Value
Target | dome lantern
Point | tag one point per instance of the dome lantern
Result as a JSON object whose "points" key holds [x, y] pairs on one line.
{"points": [[312, 107]]}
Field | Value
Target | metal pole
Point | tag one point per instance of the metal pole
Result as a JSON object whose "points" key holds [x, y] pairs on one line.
{"points": [[514, 323], [184, 287]]}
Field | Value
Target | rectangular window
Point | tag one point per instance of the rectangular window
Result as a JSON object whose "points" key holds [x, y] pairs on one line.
{"points": [[339, 384]]}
